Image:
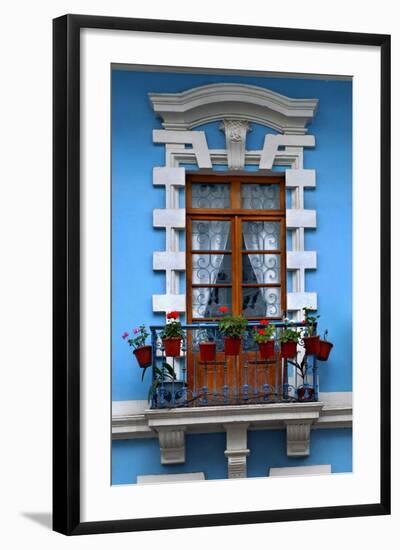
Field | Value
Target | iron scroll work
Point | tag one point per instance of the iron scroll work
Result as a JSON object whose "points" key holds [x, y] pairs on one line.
{"points": [[66, 270]]}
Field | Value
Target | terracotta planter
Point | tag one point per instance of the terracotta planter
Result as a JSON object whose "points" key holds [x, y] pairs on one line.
{"points": [[143, 356], [267, 350], [305, 394], [207, 351], [288, 349], [232, 346], [311, 344], [172, 346], [324, 350]]}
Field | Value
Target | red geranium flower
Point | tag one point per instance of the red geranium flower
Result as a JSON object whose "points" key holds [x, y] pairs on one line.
{"points": [[261, 331], [264, 322], [223, 309], [172, 315]]}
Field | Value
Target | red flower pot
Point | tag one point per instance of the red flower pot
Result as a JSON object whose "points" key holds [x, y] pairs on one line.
{"points": [[305, 394], [207, 351], [172, 346], [232, 346], [324, 350], [288, 349], [143, 356], [311, 344], [267, 350]]}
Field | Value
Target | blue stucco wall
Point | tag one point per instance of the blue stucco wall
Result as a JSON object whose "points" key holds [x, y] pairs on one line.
{"points": [[134, 239], [205, 453]]}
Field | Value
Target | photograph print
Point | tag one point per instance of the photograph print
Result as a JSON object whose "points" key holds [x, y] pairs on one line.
{"points": [[231, 270]]}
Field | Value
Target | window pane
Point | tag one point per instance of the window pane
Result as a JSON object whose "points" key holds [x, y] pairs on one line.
{"points": [[213, 195], [207, 301], [211, 269], [261, 302], [260, 196], [211, 235], [261, 235], [261, 268]]}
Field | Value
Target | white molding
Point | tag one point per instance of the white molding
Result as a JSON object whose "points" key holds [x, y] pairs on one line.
{"points": [[197, 139], [273, 142], [169, 260], [305, 259], [297, 300], [213, 102], [169, 302], [169, 478], [298, 217], [169, 217], [316, 469], [129, 420], [165, 175]]}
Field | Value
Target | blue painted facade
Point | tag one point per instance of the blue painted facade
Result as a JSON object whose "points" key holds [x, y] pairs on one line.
{"points": [[134, 240]]}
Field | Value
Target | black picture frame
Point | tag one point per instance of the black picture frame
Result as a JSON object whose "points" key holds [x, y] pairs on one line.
{"points": [[66, 273]]}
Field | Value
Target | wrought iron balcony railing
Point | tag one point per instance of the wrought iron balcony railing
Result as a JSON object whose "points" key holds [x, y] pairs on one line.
{"points": [[187, 381]]}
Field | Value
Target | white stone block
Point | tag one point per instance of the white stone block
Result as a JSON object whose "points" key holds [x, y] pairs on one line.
{"points": [[300, 178], [297, 300], [317, 469], [169, 217], [301, 260], [164, 175], [297, 217], [170, 478], [169, 260], [169, 302]]}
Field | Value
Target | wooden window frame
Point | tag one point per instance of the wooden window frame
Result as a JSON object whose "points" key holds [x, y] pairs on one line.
{"points": [[236, 215]]}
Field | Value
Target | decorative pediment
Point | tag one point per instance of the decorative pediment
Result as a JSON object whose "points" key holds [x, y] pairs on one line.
{"points": [[224, 101]]}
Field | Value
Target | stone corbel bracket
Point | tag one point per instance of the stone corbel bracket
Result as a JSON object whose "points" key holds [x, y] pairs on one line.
{"points": [[172, 445], [298, 438]]}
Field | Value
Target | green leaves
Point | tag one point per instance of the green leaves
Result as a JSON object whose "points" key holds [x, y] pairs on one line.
{"points": [[233, 326], [173, 329]]}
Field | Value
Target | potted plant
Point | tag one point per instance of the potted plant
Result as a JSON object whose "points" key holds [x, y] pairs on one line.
{"points": [[310, 338], [207, 348], [232, 327], [263, 336], [305, 392], [165, 378], [142, 352], [289, 338], [324, 348], [172, 335]]}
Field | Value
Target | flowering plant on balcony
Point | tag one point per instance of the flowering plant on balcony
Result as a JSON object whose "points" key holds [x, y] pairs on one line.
{"points": [[141, 351], [310, 336], [264, 332], [263, 336], [289, 333], [310, 323], [289, 337], [231, 326], [139, 340], [172, 334]]}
